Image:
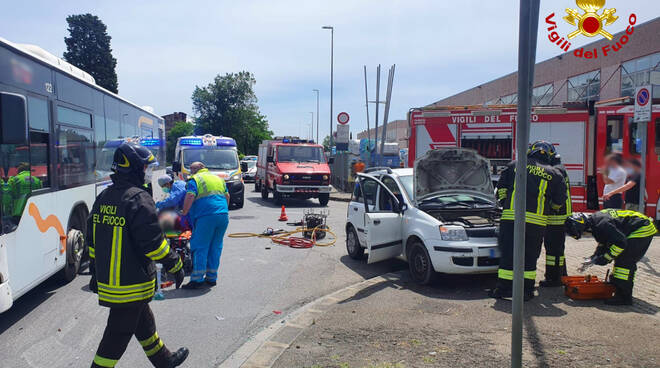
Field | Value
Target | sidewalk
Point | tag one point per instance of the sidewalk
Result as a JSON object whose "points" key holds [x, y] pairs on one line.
{"points": [[390, 322], [337, 195]]}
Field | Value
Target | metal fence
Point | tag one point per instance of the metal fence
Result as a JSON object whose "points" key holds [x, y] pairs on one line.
{"points": [[341, 173]]}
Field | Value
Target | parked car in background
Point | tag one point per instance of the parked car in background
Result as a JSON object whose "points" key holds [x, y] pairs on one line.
{"points": [[441, 215], [249, 169]]}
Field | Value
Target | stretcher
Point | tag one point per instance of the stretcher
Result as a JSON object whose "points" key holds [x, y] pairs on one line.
{"points": [[587, 287]]}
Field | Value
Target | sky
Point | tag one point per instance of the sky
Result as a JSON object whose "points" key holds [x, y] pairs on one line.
{"points": [[166, 48]]}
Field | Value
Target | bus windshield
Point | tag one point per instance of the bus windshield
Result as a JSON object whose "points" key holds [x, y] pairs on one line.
{"points": [[299, 154], [212, 157]]}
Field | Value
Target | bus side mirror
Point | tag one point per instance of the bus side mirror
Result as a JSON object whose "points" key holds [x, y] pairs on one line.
{"points": [[269, 159], [176, 166], [13, 119], [244, 167]]}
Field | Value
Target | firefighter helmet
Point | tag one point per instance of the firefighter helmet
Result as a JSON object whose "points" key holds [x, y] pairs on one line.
{"points": [[576, 224], [555, 160], [542, 151], [131, 159]]}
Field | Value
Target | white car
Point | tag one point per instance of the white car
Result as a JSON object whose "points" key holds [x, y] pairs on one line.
{"points": [[441, 216]]}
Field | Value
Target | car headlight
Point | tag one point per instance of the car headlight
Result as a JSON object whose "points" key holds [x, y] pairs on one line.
{"points": [[325, 177], [286, 177], [453, 233], [235, 177]]}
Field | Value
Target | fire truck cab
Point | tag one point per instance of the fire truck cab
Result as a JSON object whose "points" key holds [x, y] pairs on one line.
{"points": [[291, 167], [582, 134]]}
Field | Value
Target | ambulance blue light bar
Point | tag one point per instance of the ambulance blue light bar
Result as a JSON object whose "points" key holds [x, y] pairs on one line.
{"points": [[151, 142], [226, 142], [191, 142]]}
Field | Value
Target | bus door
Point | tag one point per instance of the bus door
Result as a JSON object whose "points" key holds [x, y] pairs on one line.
{"points": [[610, 131], [632, 148]]}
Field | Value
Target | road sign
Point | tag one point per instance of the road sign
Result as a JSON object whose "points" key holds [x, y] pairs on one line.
{"points": [[343, 118], [343, 136], [643, 104]]}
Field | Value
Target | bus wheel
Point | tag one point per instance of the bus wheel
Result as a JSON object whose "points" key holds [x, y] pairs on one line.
{"points": [[75, 246]]}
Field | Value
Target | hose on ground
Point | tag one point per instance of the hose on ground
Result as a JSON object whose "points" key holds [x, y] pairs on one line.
{"points": [[283, 237]]}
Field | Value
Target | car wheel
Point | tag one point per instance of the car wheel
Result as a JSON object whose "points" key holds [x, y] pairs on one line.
{"points": [[419, 262], [324, 199], [75, 247], [353, 246], [277, 196], [241, 202], [264, 191]]}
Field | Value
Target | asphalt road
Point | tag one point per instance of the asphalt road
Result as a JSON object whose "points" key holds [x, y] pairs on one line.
{"points": [[60, 325]]}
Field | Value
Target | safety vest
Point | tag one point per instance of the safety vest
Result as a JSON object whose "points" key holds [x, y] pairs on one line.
{"points": [[6, 198], [20, 187], [209, 184]]}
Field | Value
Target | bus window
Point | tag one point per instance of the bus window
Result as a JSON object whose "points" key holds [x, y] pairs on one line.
{"points": [[17, 183], [634, 138], [39, 157], [38, 114], [614, 134], [75, 156]]}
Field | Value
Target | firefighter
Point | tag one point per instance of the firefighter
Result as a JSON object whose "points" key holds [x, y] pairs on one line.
{"points": [[124, 241], [623, 237], [555, 234], [545, 191], [6, 198]]}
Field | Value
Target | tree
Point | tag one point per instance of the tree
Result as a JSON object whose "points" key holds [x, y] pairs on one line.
{"points": [[179, 129], [326, 143], [228, 106], [88, 48]]}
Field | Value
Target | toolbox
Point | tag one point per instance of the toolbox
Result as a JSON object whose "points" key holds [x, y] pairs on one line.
{"points": [[587, 287]]}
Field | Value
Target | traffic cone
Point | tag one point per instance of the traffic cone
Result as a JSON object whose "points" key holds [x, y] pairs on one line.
{"points": [[283, 215]]}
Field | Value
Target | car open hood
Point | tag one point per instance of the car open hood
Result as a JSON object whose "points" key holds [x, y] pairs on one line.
{"points": [[452, 170]]}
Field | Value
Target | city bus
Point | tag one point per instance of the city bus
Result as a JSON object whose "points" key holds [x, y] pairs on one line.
{"points": [[55, 128]]}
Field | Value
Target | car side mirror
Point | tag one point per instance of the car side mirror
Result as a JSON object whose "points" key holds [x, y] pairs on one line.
{"points": [[176, 166], [244, 167], [270, 159], [13, 119], [403, 208], [331, 160]]}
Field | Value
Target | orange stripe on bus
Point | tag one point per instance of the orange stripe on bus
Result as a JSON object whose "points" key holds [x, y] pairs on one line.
{"points": [[44, 224]]}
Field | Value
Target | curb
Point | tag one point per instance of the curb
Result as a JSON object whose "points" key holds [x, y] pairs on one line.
{"points": [[340, 199], [263, 350]]}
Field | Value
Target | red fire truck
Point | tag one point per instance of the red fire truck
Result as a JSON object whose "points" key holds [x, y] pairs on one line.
{"points": [[582, 134], [292, 167]]}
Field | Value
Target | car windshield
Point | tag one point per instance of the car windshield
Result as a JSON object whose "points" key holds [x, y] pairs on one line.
{"points": [[299, 154], [212, 158], [250, 164], [407, 182]]}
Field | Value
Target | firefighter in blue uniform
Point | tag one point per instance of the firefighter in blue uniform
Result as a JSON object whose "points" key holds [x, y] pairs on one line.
{"points": [[555, 234], [124, 241], [546, 193], [623, 237]]}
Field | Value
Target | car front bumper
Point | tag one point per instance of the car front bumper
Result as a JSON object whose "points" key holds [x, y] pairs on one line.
{"points": [[477, 255], [304, 189]]}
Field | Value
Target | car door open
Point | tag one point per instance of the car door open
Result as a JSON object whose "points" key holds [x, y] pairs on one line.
{"points": [[382, 222]]}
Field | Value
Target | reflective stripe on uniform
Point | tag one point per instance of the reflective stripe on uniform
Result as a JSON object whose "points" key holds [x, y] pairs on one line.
{"points": [[505, 274], [530, 275], [176, 267], [550, 260], [540, 205], [160, 253], [155, 349], [644, 231], [92, 252], [557, 219], [532, 218], [501, 193], [209, 184], [621, 273], [105, 362], [115, 256], [150, 340], [615, 250], [562, 260], [126, 293]]}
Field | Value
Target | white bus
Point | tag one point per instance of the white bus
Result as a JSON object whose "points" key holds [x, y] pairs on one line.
{"points": [[56, 131]]}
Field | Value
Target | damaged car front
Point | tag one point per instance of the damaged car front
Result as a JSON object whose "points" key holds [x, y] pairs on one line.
{"points": [[457, 214]]}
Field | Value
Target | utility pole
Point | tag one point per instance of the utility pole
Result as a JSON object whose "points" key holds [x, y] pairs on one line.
{"points": [[317, 115], [386, 115], [529, 20], [366, 99], [311, 126], [377, 105], [332, 73]]}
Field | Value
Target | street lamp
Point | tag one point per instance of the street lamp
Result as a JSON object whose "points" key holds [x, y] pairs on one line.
{"points": [[317, 114], [311, 127], [332, 71]]}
